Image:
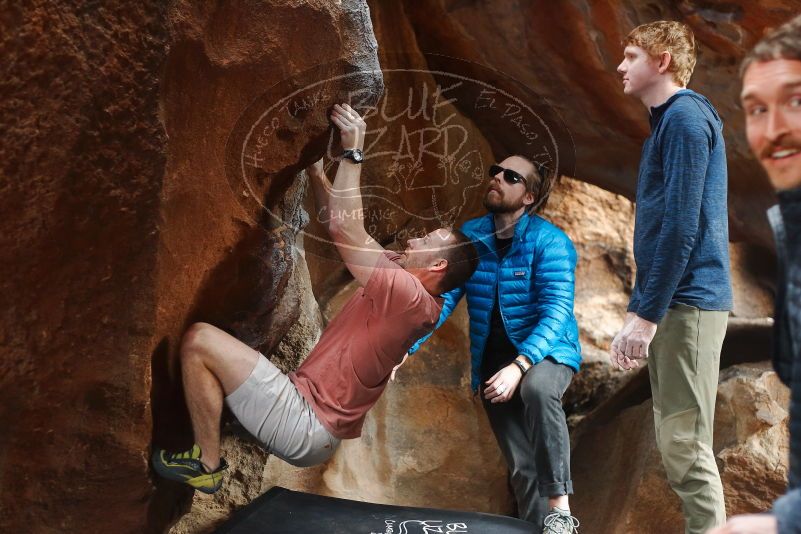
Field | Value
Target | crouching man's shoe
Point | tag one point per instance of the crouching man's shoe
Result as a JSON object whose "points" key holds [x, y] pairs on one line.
{"points": [[186, 467], [560, 521]]}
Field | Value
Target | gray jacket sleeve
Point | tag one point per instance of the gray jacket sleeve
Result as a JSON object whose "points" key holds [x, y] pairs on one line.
{"points": [[788, 512]]}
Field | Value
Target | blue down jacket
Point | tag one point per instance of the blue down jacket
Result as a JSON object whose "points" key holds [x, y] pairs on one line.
{"points": [[536, 279]]}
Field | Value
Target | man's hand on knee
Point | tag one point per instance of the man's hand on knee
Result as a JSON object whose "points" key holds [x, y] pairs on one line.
{"points": [[502, 385]]}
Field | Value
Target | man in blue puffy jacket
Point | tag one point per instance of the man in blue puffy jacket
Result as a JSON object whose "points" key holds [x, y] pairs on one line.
{"points": [[524, 340]]}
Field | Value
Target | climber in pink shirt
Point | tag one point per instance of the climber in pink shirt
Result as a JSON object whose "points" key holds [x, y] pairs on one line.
{"points": [[301, 417]]}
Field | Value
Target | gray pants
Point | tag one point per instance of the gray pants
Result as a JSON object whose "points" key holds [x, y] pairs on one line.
{"points": [[531, 430]]}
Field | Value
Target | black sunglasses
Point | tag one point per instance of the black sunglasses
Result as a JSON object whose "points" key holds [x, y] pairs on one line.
{"points": [[511, 177]]}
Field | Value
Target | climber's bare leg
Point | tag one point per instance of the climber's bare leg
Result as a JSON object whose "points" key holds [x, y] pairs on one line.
{"points": [[213, 365]]}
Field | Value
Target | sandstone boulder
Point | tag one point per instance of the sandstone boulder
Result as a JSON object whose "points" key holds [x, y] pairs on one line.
{"points": [[621, 486], [601, 226]]}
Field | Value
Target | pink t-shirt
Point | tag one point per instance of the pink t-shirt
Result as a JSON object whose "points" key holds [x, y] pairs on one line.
{"points": [[347, 370]]}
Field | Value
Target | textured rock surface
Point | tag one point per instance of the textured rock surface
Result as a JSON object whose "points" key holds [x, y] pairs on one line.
{"points": [[81, 166], [620, 484], [751, 437], [601, 226], [752, 279]]}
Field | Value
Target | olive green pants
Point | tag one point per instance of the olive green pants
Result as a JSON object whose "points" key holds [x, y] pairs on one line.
{"points": [[683, 364]]}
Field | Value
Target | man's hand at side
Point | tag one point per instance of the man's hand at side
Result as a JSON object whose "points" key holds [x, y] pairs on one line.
{"points": [[632, 342], [637, 337], [616, 356], [748, 524]]}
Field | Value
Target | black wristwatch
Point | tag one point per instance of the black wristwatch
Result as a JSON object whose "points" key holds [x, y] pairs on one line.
{"points": [[353, 154], [521, 365]]}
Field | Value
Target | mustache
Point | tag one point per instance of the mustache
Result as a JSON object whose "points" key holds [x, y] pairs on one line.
{"points": [[785, 144]]}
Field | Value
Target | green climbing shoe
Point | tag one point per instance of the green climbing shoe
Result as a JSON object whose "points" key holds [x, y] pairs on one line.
{"points": [[186, 467]]}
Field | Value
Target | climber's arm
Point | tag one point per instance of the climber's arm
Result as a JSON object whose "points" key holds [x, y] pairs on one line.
{"points": [[359, 250]]}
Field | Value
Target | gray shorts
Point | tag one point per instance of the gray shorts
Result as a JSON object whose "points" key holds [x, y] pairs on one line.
{"points": [[270, 407]]}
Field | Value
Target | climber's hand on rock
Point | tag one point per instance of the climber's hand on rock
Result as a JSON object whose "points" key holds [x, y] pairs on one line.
{"points": [[351, 126]]}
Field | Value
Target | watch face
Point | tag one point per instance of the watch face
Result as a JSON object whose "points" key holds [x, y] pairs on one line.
{"points": [[354, 154]]}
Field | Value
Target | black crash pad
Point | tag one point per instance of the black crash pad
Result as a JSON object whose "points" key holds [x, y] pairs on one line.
{"points": [[281, 511]]}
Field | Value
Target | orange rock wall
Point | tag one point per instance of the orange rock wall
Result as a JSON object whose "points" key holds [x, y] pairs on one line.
{"points": [[82, 162]]}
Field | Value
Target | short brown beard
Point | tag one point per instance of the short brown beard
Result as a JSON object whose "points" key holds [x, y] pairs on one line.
{"points": [[502, 206]]}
